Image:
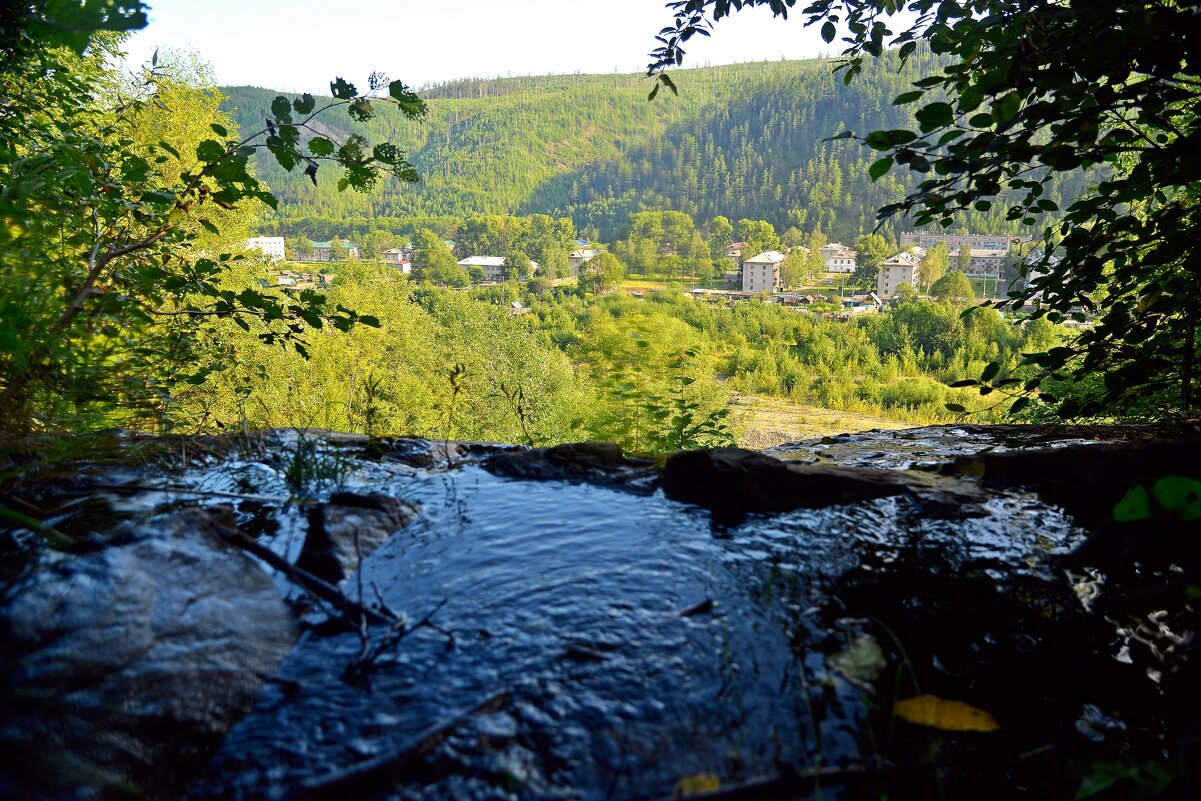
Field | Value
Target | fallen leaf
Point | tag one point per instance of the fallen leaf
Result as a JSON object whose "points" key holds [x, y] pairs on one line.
{"points": [[862, 660], [696, 784], [930, 710]]}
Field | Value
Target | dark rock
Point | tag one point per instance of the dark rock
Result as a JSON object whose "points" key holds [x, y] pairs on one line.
{"points": [[1085, 479], [588, 462], [735, 481], [349, 528], [125, 667], [428, 454]]}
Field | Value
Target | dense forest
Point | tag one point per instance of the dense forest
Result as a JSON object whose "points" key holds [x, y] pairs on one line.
{"points": [[740, 141], [503, 363]]}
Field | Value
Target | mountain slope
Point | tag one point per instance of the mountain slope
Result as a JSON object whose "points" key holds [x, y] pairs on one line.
{"points": [[741, 141]]}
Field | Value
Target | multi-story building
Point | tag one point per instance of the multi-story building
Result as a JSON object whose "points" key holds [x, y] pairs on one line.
{"points": [[955, 241], [270, 246], [579, 257], [323, 251], [903, 268], [493, 266], [984, 262], [762, 273], [839, 258]]}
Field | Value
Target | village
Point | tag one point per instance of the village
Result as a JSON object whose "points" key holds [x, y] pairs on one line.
{"points": [[989, 261]]}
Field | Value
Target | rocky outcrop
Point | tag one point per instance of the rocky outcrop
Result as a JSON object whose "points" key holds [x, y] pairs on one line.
{"points": [[347, 530], [1086, 480], [733, 482], [582, 462], [138, 656], [535, 634]]}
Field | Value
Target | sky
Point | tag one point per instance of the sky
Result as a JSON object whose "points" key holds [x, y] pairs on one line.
{"points": [[301, 45]]}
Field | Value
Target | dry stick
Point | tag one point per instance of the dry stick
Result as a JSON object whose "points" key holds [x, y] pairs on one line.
{"points": [[345, 783], [306, 580]]}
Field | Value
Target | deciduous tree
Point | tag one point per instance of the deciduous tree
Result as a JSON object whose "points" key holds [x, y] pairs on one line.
{"points": [[117, 218], [954, 287], [1032, 88]]}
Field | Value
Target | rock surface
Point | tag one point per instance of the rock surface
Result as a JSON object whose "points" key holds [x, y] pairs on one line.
{"points": [[549, 627], [733, 482], [591, 462], [347, 530], [127, 666]]}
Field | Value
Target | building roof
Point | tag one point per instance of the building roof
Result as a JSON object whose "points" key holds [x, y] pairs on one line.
{"points": [[983, 253], [767, 257], [483, 261], [330, 244], [903, 259], [837, 247]]}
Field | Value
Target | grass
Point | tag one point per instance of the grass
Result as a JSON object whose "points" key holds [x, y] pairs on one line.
{"points": [[652, 284], [767, 422]]}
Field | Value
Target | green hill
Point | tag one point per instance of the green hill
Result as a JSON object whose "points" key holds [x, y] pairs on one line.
{"points": [[746, 140]]}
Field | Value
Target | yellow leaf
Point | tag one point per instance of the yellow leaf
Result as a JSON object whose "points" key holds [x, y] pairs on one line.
{"points": [[929, 710], [696, 784]]}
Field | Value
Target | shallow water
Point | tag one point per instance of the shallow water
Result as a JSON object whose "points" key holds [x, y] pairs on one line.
{"points": [[561, 609], [576, 641]]}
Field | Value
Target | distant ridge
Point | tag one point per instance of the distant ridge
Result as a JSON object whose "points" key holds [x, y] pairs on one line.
{"points": [[744, 140]]}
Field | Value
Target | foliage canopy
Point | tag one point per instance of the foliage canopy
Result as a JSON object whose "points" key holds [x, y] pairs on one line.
{"points": [[1032, 89], [123, 208]]}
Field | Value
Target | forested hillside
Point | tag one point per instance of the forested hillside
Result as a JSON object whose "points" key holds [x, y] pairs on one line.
{"points": [[739, 141]]}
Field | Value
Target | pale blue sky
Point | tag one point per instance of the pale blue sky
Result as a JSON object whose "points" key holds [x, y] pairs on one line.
{"points": [[301, 45]]}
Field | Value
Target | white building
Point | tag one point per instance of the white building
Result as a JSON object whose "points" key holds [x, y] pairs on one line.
{"points": [[762, 273], [1034, 268], [903, 268], [839, 258], [493, 266], [400, 258], [579, 258], [324, 251], [270, 246]]}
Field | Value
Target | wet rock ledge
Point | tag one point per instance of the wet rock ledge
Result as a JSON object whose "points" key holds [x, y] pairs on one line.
{"points": [[301, 614]]}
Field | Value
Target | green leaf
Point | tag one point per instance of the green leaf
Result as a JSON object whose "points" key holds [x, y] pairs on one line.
{"points": [[990, 370], [305, 104], [908, 97], [342, 90], [208, 226], [219, 129], [1006, 109], [829, 32], [209, 151], [282, 109], [935, 115], [955, 407], [879, 167], [320, 146]]}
